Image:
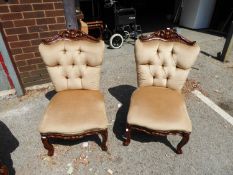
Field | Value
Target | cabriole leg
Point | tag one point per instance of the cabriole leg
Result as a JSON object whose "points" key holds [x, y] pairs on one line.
{"points": [[126, 142], [185, 139], [47, 145], [104, 135]]}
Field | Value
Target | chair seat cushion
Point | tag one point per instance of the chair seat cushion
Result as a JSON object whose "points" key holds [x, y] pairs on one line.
{"points": [[159, 108], [74, 112]]}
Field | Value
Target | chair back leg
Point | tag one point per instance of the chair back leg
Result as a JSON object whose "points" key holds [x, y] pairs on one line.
{"points": [[104, 135], [47, 145], [184, 140], [127, 135]]}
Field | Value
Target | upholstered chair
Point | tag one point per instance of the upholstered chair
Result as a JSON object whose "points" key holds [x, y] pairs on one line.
{"points": [[163, 61], [73, 60]]}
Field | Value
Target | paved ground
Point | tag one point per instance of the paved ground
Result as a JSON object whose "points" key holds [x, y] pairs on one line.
{"points": [[209, 150]]}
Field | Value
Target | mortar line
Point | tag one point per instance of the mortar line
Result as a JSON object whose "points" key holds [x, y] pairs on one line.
{"points": [[213, 106]]}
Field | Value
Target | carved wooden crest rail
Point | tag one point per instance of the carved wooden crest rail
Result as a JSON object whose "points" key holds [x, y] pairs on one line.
{"points": [[74, 35], [167, 35]]}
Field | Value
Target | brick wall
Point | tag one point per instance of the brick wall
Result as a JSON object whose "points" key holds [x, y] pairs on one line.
{"points": [[25, 23]]}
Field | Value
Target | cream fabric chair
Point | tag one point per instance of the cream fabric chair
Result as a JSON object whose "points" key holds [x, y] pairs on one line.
{"points": [[163, 61], [73, 60]]}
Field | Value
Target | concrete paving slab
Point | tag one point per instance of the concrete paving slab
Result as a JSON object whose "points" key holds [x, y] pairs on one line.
{"points": [[209, 150]]}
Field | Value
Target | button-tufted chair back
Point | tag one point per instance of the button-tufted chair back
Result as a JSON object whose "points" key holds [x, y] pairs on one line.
{"points": [[164, 61], [73, 60]]}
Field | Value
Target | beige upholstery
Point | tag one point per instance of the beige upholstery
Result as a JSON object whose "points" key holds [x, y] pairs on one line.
{"points": [[74, 112], [164, 64], [162, 69], [159, 108], [73, 64], [74, 68]]}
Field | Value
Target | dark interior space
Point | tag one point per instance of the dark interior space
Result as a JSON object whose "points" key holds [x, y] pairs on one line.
{"points": [[154, 15], [222, 16]]}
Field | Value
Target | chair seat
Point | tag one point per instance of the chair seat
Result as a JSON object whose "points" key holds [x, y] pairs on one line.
{"points": [[159, 108], [74, 112]]}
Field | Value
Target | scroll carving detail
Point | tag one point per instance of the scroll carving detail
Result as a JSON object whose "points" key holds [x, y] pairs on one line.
{"points": [[167, 35], [74, 35]]}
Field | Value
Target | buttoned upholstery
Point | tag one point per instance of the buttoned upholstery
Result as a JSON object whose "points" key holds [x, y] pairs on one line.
{"points": [[162, 69], [164, 64], [74, 112], [159, 108], [74, 68], [73, 64]]}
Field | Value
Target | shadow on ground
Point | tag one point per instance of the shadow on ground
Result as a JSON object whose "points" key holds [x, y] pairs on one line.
{"points": [[123, 94], [8, 143], [49, 95]]}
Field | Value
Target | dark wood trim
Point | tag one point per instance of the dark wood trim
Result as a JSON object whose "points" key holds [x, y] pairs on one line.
{"points": [[47, 145], [167, 35], [3, 169], [183, 134], [73, 35]]}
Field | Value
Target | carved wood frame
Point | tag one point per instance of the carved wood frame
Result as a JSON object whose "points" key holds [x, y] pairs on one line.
{"points": [[183, 134], [172, 36], [3, 169], [167, 35], [48, 145], [74, 35]]}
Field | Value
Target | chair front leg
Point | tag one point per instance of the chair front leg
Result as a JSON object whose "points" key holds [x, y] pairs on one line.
{"points": [[126, 142], [184, 140], [104, 135], [47, 145]]}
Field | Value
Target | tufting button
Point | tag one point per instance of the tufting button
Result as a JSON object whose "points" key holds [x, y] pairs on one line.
{"points": [[64, 51], [66, 77]]}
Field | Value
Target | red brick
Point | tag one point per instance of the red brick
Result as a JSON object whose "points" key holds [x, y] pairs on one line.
{"points": [[30, 49], [7, 24], [16, 51], [24, 74], [17, 30], [57, 27], [19, 44], [35, 42], [11, 16], [20, 63], [44, 6], [34, 61], [24, 56], [9, 2], [47, 34], [50, 0], [28, 36], [45, 21], [26, 68], [12, 38], [26, 22], [37, 28], [30, 1], [4, 9], [37, 54], [41, 66], [58, 5], [36, 14], [60, 19], [39, 72], [53, 13], [37, 82], [20, 8]]}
